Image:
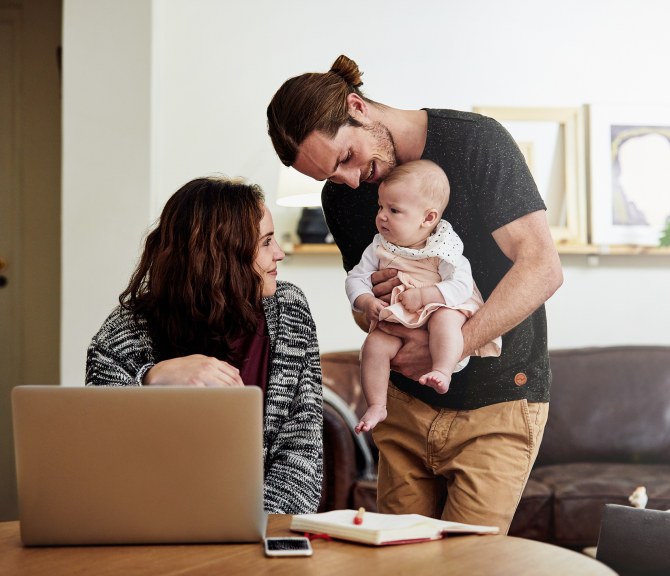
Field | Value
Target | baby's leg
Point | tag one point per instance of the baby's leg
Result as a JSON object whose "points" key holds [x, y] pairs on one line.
{"points": [[378, 349], [446, 347]]}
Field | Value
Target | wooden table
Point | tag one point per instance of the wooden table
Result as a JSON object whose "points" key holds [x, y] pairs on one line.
{"points": [[471, 555]]}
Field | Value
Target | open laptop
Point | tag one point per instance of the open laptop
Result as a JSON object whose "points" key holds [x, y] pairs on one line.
{"points": [[134, 465]]}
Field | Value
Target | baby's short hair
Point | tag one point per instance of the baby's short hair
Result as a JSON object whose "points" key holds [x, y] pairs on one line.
{"points": [[433, 182]]}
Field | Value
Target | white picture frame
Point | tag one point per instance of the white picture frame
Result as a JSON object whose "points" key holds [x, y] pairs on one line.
{"points": [[553, 143], [629, 165]]}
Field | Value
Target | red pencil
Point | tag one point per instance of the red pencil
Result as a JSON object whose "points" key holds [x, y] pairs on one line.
{"points": [[358, 519]]}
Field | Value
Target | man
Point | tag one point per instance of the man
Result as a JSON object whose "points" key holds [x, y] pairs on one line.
{"points": [[465, 455]]}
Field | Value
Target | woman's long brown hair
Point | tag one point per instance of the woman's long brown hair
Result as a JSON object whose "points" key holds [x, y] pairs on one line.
{"points": [[196, 283]]}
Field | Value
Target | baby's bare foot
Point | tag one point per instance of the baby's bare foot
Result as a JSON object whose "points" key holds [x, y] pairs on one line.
{"points": [[375, 414], [437, 380]]}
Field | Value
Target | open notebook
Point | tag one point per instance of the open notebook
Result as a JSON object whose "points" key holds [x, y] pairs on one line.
{"points": [[382, 529], [134, 465]]}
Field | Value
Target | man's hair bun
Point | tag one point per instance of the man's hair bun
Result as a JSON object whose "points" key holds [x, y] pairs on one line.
{"points": [[348, 70]]}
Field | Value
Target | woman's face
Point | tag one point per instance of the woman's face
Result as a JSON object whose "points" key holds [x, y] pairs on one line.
{"points": [[269, 253]]}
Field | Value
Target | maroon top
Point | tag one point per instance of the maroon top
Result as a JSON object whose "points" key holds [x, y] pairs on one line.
{"points": [[252, 354]]}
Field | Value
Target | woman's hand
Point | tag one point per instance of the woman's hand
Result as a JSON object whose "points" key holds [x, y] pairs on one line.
{"points": [[194, 370]]}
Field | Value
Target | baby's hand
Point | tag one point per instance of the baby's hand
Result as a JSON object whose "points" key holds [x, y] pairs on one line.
{"points": [[375, 308], [411, 299]]}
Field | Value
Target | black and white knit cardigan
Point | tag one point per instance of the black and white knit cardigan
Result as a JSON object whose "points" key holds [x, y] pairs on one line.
{"points": [[122, 352]]}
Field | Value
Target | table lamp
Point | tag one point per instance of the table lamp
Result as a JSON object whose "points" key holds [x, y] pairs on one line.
{"points": [[297, 190]]}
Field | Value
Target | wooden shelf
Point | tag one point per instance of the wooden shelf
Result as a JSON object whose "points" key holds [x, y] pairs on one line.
{"points": [[314, 249], [599, 250], [575, 249]]}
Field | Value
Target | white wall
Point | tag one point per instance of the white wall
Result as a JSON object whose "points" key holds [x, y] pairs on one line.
{"points": [[106, 162], [213, 66]]}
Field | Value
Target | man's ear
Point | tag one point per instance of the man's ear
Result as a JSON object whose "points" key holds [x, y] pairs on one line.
{"points": [[430, 218], [356, 105]]}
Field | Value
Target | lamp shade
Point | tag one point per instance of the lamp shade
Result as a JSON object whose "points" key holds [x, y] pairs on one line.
{"points": [[297, 190]]}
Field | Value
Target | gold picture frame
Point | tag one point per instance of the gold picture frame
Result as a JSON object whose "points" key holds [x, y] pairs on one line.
{"points": [[552, 141]]}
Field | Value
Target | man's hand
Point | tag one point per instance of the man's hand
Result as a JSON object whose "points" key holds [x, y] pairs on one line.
{"points": [[413, 359], [383, 283], [194, 370]]}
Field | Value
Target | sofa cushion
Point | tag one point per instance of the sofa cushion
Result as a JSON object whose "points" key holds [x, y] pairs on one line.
{"points": [[608, 404], [582, 489], [533, 517]]}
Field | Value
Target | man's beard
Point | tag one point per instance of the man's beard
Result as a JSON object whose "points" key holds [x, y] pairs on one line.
{"points": [[385, 147]]}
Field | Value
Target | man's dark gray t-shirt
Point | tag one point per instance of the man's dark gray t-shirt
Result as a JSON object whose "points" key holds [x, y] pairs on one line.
{"points": [[490, 187]]}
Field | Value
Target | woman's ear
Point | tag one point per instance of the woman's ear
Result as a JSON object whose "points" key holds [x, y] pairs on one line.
{"points": [[356, 105], [430, 218]]}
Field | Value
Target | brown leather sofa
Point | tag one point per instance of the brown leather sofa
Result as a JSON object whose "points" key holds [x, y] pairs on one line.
{"points": [[608, 432]]}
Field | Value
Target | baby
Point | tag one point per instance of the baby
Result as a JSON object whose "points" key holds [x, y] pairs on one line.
{"points": [[437, 288]]}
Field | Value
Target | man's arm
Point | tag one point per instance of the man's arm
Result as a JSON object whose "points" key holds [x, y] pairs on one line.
{"points": [[534, 276]]}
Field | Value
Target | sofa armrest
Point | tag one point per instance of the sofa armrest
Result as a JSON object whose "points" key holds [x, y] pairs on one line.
{"points": [[339, 467], [350, 420]]}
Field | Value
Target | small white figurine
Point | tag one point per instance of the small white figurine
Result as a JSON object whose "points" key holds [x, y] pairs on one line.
{"points": [[638, 498]]}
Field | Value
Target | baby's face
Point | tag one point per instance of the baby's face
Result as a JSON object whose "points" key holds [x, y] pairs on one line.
{"points": [[401, 213]]}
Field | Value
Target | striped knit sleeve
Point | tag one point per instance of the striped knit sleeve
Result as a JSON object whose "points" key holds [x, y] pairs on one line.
{"points": [[121, 353], [294, 417]]}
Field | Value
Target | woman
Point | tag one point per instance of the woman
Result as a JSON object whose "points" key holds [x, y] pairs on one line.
{"points": [[204, 308]]}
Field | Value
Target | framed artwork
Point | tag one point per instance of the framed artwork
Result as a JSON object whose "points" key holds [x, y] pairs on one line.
{"points": [[552, 142], [630, 174]]}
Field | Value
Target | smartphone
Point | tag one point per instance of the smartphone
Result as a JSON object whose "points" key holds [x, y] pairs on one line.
{"points": [[293, 546]]}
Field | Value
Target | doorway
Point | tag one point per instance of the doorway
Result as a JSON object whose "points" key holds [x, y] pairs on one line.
{"points": [[30, 192]]}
